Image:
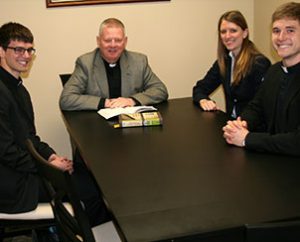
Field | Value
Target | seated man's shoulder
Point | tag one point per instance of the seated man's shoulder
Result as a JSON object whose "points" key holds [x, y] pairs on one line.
{"points": [[134, 55], [89, 55]]}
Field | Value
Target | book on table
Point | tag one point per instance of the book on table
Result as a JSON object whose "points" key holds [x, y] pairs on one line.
{"points": [[139, 119], [108, 113]]}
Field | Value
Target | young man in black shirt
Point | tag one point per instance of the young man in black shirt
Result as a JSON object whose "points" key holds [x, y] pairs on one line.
{"points": [[20, 189]]}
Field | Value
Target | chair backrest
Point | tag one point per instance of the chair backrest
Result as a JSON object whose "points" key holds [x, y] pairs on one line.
{"points": [[64, 78], [60, 187]]}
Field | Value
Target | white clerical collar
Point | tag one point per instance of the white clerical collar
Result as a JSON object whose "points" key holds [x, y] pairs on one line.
{"points": [[112, 65]]}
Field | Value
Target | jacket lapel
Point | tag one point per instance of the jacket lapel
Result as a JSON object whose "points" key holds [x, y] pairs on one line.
{"points": [[19, 129], [125, 74], [273, 88], [99, 75], [293, 89]]}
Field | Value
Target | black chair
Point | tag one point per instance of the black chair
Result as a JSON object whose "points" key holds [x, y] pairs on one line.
{"points": [[64, 78], [281, 231], [12, 225], [26, 223], [71, 226]]}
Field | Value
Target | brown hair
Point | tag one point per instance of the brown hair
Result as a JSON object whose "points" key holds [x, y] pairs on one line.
{"points": [[14, 31], [288, 10]]}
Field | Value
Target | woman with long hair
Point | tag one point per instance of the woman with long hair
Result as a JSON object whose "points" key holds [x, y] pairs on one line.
{"points": [[240, 67]]}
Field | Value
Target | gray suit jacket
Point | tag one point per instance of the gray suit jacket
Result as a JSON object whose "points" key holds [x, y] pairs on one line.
{"points": [[88, 82]]}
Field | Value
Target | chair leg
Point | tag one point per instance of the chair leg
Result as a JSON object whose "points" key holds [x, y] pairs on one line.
{"points": [[1, 234], [45, 235]]}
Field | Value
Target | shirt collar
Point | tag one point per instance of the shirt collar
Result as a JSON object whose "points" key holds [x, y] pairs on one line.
{"points": [[290, 69], [8, 79], [111, 65], [231, 55]]}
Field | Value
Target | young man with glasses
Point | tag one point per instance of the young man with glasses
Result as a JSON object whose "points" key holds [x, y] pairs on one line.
{"points": [[20, 188], [22, 50]]}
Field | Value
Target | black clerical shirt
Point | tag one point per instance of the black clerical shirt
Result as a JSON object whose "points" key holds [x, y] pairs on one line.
{"points": [[113, 73], [288, 75], [14, 85]]}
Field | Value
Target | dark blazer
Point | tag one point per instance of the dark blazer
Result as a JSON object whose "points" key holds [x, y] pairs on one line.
{"points": [[281, 133], [18, 181], [238, 95]]}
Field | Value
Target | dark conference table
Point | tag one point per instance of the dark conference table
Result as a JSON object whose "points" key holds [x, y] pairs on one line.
{"points": [[181, 180]]}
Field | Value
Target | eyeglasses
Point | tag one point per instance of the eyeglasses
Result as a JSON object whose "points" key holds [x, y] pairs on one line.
{"points": [[21, 50]]}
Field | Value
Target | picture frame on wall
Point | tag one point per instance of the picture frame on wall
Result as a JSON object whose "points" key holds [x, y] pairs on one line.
{"points": [[63, 3]]}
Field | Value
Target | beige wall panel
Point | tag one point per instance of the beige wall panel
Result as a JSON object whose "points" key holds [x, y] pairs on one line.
{"points": [[179, 38]]}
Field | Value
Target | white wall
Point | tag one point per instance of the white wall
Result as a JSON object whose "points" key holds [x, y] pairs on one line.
{"points": [[179, 38]]}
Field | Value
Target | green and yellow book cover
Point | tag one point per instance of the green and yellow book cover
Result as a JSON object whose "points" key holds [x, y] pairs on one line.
{"points": [[139, 119]]}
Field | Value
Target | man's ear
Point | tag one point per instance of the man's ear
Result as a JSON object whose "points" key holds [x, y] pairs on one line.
{"points": [[2, 51], [126, 39], [98, 40]]}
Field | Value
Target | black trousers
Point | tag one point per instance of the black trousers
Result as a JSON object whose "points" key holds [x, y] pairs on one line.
{"points": [[88, 192]]}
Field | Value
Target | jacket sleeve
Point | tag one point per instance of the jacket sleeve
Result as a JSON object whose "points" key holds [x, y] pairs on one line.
{"points": [[260, 67], [208, 84], [154, 90], [74, 95], [281, 143], [254, 111], [256, 76]]}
